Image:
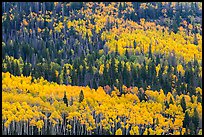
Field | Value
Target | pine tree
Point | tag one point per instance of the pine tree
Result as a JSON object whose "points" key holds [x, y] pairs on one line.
{"points": [[175, 25], [135, 44], [186, 120], [192, 128], [126, 76], [195, 119], [166, 104], [65, 79], [192, 101], [81, 96], [116, 50], [142, 95], [17, 69], [120, 8], [26, 69], [199, 99], [150, 51], [112, 70], [171, 101], [65, 99], [143, 71], [127, 54], [183, 104]]}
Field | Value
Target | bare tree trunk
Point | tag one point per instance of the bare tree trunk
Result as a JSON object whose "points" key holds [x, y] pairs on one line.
{"points": [[4, 130], [82, 130], [9, 130], [32, 130], [115, 125], [74, 127], [24, 127], [100, 131], [21, 127]]}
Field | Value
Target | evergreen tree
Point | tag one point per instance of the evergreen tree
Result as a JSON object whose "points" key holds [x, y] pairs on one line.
{"points": [[192, 101], [17, 69], [26, 69], [150, 51], [199, 99], [13, 68], [81, 96], [195, 120], [175, 24], [192, 128], [143, 71], [167, 104], [127, 54], [65, 99], [126, 76], [142, 95], [120, 8], [186, 120], [183, 104], [135, 44], [116, 51], [112, 70], [171, 101]]}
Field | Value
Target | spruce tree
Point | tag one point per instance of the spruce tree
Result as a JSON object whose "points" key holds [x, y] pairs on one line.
{"points": [[192, 128], [112, 69], [25, 69], [120, 8], [171, 101], [195, 119], [199, 99], [186, 120], [183, 104], [65, 78], [166, 104], [17, 69], [127, 54], [116, 50], [65, 99], [135, 44], [150, 51], [81, 96]]}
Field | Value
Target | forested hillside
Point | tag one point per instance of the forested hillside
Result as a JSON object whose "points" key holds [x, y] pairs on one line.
{"points": [[102, 68]]}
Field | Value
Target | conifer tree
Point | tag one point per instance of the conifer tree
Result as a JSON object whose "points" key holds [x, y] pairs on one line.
{"points": [[65, 99], [195, 120], [192, 128], [135, 44], [186, 120], [81, 96], [17, 69], [167, 104], [127, 54], [150, 51], [171, 101], [183, 104]]}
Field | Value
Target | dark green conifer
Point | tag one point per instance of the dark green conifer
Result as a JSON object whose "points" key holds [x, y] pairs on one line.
{"points": [[81, 96], [65, 99], [183, 104]]}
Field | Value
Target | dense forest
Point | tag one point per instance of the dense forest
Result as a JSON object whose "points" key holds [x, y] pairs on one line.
{"points": [[82, 68]]}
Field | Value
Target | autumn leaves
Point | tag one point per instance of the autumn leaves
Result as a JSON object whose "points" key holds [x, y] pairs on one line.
{"points": [[90, 110]]}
